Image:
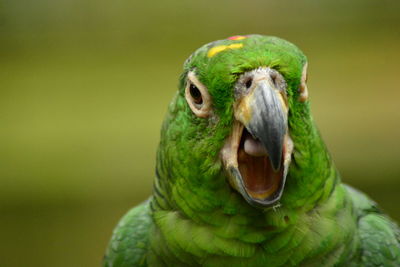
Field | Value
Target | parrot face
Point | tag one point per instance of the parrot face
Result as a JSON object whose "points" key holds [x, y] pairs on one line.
{"points": [[231, 118]]}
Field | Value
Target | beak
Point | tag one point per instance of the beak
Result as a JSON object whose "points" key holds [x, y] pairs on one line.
{"points": [[257, 154], [266, 118]]}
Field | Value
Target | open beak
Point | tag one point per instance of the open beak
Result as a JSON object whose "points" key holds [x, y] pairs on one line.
{"points": [[257, 153]]}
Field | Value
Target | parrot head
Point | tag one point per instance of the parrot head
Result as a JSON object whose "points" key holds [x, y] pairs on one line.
{"points": [[229, 124]]}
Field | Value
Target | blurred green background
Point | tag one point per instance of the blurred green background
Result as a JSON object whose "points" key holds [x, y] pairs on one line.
{"points": [[84, 86]]}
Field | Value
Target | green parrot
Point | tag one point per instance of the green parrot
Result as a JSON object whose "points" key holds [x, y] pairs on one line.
{"points": [[243, 177]]}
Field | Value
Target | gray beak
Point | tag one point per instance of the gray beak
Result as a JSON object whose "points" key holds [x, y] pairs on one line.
{"points": [[257, 154]]}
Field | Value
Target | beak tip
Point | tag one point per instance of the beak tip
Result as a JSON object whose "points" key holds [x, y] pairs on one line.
{"points": [[276, 161]]}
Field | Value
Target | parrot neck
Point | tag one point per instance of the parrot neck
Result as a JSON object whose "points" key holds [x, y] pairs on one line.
{"points": [[213, 232]]}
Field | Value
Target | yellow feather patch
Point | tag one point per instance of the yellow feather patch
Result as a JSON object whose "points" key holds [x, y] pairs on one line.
{"points": [[215, 50]]}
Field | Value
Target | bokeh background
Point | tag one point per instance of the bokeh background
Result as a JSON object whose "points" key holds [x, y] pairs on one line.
{"points": [[84, 86]]}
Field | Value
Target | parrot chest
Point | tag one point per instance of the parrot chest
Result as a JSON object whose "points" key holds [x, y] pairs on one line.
{"points": [[320, 236]]}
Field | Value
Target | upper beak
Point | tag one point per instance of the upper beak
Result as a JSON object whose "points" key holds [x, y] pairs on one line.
{"points": [[263, 112]]}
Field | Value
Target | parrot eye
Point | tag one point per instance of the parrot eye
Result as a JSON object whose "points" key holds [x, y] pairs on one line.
{"points": [[197, 96]]}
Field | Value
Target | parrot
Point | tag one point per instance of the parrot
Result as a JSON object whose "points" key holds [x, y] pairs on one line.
{"points": [[243, 176]]}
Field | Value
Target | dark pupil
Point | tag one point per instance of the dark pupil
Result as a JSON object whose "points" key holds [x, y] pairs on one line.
{"points": [[196, 95]]}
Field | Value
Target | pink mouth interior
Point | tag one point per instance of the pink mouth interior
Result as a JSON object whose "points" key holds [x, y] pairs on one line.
{"points": [[259, 178]]}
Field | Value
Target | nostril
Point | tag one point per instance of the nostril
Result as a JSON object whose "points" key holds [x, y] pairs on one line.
{"points": [[248, 83], [273, 76]]}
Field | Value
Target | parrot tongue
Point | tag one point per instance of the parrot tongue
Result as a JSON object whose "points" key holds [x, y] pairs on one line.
{"points": [[252, 146], [260, 180]]}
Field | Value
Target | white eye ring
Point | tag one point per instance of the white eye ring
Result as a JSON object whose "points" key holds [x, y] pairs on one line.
{"points": [[303, 84], [197, 96]]}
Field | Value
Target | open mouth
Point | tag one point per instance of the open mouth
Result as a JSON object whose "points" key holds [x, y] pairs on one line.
{"points": [[260, 179]]}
